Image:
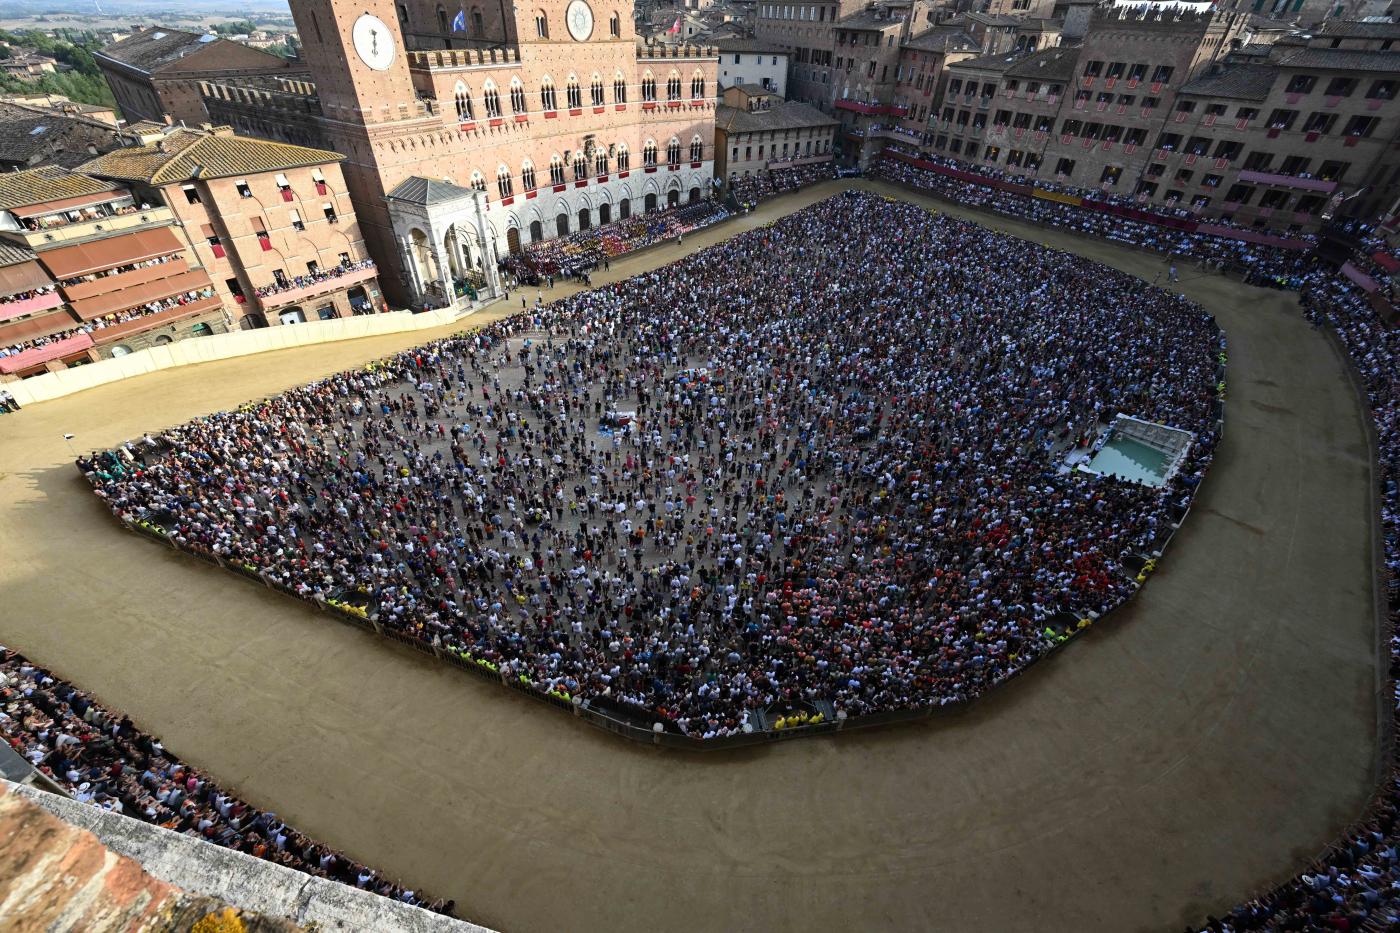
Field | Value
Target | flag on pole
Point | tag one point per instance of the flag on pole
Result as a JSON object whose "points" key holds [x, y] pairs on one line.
{"points": [[675, 27], [459, 22]]}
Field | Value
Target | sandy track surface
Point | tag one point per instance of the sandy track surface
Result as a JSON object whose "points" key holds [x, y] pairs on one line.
{"points": [[1203, 742]]}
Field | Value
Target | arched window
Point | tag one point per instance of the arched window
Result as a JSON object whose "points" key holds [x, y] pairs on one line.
{"points": [[673, 152], [517, 97], [624, 159], [600, 162], [527, 176], [648, 87], [492, 100], [478, 181], [615, 26], [403, 14], [580, 166], [574, 94], [619, 89], [556, 170], [649, 153], [697, 86], [478, 26], [464, 102], [503, 184], [697, 149], [547, 99], [442, 19], [673, 87], [541, 24], [596, 90]]}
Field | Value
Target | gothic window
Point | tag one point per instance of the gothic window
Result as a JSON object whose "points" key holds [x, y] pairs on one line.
{"points": [[503, 184], [478, 181], [580, 167], [547, 98], [648, 88], [574, 94], [517, 97], [697, 87], [649, 153], [527, 176], [600, 162], [673, 87], [619, 90], [464, 102], [556, 170], [492, 101], [673, 152], [697, 149], [615, 26], [624, 159], [597, 91], [541, 25]]}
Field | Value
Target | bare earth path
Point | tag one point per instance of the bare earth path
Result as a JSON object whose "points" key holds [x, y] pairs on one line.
{"points": [[1203, 742]]}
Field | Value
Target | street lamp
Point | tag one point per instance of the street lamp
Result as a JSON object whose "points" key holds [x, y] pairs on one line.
{"points": [[68, 439]]}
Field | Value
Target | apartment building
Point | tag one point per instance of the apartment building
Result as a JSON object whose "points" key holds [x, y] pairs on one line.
{"points": [[271, 223]]}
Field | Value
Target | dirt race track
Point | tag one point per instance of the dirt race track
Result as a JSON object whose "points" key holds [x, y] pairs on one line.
{"points": [[1204, 742]]}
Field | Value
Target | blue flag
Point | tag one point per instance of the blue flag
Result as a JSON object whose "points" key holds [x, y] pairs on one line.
{"points": [[459, 22]]}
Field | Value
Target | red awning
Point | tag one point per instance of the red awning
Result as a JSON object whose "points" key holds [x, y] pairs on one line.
{"points": [[68, 204], [21, 277], [85, 258], [1386, 261]]}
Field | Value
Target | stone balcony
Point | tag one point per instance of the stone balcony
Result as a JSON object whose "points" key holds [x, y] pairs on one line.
{"points": [[326, 286], [47, 353], [14, 309]]}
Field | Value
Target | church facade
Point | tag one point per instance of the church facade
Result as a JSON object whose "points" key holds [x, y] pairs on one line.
{"points": [[553, 114]]}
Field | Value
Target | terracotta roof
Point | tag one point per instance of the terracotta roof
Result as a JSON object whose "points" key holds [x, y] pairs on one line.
{"points": [[156, 48], [1341, 60], [184, 154], [31, 136], [940, 39], [786, 116], [1246, 82], [1054, 64], [999, 62], [49, 183], [12, 253]]}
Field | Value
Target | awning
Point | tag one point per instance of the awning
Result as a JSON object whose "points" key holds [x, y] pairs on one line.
{"points": [[133, 295], [86, 258], [69, 204], [21, 277]]}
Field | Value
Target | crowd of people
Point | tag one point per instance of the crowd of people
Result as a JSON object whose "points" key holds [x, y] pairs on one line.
{"points": [[102, 758], [108, 320], [567, 256], [1257, 263], [748, 190], [25, 295], [286, 284], [790, 468]]}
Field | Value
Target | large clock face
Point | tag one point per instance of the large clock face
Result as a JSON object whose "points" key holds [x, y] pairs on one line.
{"points": [[373, 42], [579, 16]]}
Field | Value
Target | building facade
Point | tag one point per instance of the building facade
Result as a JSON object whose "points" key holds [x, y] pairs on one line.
{"points": [[553, 111], [748, 61], [271, 223], [155, 74], [757, 132], [99, 271]]}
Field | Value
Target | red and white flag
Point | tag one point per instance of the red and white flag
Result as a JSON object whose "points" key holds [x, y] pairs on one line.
{"points": [[676, 26]]}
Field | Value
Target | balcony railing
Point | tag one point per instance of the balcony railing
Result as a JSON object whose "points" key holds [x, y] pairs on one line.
{"points": [[115, 332], [138, 276], [14, 309], [1289, 181], [101, 226], [49, 351], [325, 286]]}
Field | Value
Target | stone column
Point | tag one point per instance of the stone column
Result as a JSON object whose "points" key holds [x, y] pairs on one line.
{"points": [[415, 280], [488, 251]]}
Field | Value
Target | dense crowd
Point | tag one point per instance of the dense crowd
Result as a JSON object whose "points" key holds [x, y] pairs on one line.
{"points": [[311, 278], [568, 255], [25, 295], [789, 469], [748, 190], [108, 320], [103, 759], [1257, 263]]}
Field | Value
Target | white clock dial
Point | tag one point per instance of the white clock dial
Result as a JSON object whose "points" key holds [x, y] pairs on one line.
{"points": [[579, 16], [373, 42]]}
